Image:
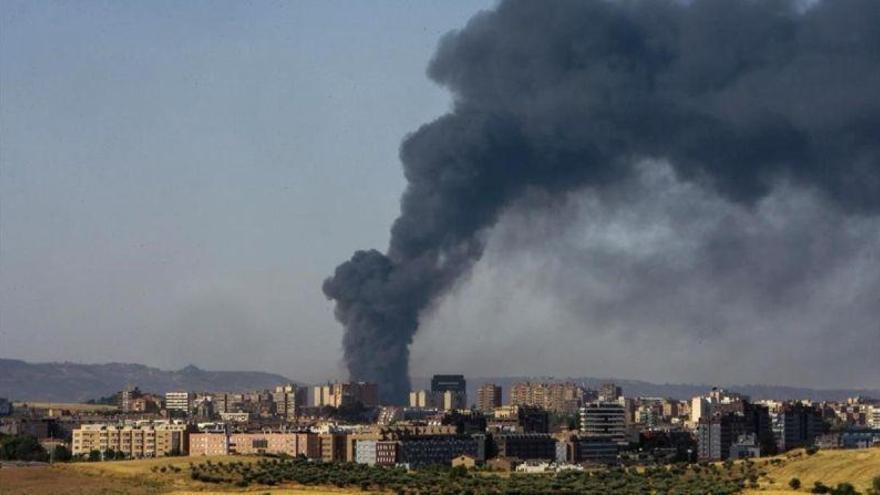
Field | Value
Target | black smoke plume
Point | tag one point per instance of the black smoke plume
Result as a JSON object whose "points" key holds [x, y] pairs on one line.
{"points": [[739, 96]]}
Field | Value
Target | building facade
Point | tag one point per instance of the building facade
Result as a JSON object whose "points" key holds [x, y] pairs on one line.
{"points": [[425, 399], [224, 443], [563, 398], [451, 391], [339, 394], [488, 397], [132, 440], [180, 402], [525, 446], [610, 392], [288, 400], [127, 397], [604, 419], [797, 425]]}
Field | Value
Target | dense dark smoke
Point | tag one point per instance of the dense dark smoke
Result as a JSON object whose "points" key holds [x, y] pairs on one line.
{"points": [[738, 96]]}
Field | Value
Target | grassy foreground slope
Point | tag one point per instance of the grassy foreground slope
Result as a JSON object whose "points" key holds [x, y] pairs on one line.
{"points": [[146, 477], [830, 467], [138, 477]]}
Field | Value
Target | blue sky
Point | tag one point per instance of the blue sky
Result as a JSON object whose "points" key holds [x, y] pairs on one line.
{"points": [[178, 177]]}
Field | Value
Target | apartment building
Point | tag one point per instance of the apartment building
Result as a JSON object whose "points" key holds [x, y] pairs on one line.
{"points": [[136, 441], [223, 443], [596, 450], [418, 451], [563, 398], [425, 399], [488, 397], [525, 446], [610, 392], [208, 443], [338, 394], [716, 435], [797, 425], [288, 400], [332, 447], [127, 397], [520, 419], [718, 401], [181, 402]]}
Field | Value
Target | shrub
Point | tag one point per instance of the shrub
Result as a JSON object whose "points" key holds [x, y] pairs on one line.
{"points": [[61, 454], [794, 483], [844, 489], [22, 448], [812, 450], [819, 487]]}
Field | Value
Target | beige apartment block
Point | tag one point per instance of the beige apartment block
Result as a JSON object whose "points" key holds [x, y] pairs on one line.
{"points": [[556, 397], [208, 444], [293, 444], [339, 394], [133, 440]]}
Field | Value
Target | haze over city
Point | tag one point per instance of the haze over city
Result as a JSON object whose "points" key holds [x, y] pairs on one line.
{"points": [[176, 189], [469, 247]]}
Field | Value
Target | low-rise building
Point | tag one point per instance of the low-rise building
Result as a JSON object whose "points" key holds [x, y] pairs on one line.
{"points": [[746, 446], [209, 443], [525, 445], [135, 441], [465, 461], [365, 452], [592, 449], [224, 443], [235, 417], [333, 447], [420, 452]]}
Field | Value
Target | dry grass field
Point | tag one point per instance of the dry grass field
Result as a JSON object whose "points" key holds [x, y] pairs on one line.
{"points": [[130, 478], [830, 467], [274, 491], [54, 480], [138, 477]]}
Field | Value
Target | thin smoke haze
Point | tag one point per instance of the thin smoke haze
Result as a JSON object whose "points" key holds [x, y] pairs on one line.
{"points": [[738, 97]]}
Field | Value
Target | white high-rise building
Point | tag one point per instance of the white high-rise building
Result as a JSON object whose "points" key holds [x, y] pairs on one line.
{"points": [[874, 418], [604, 419], [703, 406], [179, 401]]}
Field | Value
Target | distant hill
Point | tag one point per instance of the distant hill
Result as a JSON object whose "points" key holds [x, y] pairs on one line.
{"points": [[634, 388], [72, 382]]}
